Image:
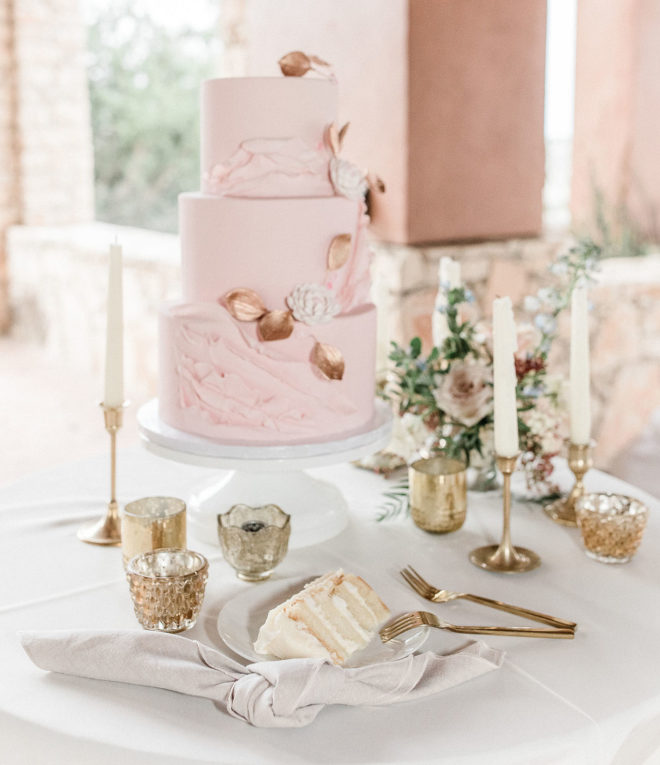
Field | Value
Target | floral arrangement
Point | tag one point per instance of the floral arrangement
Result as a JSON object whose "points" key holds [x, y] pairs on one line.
{"points": [[444, 399]]}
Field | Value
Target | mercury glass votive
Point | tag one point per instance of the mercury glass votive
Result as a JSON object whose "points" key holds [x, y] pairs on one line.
{"points": [[167, 587], [152, 523], [254, 540], [612, 526], [438, 493]]}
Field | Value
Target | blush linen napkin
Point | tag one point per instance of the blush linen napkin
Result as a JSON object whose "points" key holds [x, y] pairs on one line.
{"points": [[270, 694]]}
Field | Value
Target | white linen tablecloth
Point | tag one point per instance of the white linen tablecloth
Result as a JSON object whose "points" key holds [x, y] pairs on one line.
{"points": [[591, 700]]}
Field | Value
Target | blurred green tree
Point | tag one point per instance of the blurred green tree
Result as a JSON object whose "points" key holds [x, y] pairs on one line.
{"points": [[144, 79]]}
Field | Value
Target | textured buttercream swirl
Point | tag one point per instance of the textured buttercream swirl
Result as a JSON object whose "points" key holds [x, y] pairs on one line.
{"points": [[272, 167], [228, 377]]}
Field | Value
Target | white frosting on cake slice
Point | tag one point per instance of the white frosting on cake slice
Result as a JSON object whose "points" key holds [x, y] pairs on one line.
{"points": [[333, 616]]}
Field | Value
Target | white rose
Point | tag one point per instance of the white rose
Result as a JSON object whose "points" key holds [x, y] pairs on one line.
{"points": [[409, 436], [312, 304], [348, 179]]}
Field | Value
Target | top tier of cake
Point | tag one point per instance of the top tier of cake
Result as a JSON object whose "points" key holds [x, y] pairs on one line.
{"points": [[263, 136]]}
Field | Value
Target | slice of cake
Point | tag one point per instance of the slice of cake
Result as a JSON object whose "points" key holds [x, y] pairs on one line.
{"points": [[332, 617]]}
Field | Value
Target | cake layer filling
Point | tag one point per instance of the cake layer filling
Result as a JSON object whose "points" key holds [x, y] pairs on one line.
{"points": [[238, 109], [219, 379], [271, 246], [322, 622]]}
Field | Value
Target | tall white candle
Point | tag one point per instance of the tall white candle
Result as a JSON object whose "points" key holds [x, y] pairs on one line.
{"points": [[579, 402], [449, 276], [504, 378], [114, 346]]}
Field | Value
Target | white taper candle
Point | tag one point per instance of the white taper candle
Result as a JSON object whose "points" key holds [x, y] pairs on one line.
{"points": [[449, 275], [504, 379], [114, 346], [579, 403]]}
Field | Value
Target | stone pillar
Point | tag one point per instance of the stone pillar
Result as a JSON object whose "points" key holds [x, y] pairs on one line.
{"points": [[46, 165], [617, 107], [445, 99]]}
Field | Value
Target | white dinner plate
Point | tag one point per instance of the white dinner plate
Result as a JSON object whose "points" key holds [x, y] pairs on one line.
{"points": [[240, 619]]}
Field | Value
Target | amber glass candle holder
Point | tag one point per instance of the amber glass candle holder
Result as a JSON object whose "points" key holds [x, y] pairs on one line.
{"points": [[167, 587], [254, 540], [612, 526]]}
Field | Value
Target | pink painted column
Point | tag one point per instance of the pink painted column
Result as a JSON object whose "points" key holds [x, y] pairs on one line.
{"points": [[616, 150], [445, 99]]}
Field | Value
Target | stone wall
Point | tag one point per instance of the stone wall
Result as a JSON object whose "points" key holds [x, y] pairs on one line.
{"points": [[625, 320]]}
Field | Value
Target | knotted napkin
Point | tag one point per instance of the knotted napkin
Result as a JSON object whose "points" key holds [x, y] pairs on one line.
{"points": [[270, 694]]}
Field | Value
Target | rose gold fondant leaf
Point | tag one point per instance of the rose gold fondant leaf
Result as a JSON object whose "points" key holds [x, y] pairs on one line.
{"points": [[295, 64], [318, 61], [276, 325], [328, 360], [342, 134], [332, 138], [244, 304], [376, 183], [339, 251]]}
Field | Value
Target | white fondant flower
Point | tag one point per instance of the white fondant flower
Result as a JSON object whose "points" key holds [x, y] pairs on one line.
{"points": [[348, 179], [312, 304]]}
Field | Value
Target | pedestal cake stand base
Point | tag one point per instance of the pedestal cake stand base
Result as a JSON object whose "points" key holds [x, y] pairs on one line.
{"points": [[259, 475]]}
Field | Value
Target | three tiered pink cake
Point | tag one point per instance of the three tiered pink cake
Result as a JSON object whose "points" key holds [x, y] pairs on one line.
{"points": [[274, 342]]}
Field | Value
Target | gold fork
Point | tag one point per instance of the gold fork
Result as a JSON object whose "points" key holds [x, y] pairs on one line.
{"points": [[429, 592], [413, 619]]}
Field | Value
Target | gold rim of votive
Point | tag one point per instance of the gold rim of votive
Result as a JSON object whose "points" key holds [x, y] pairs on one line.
{"points": [[427, 466], [130, 509], [225, 520], [203, 563], [640, 508]]}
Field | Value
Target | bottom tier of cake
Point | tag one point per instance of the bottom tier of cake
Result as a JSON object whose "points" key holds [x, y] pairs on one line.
{"points": [[218, 379]]}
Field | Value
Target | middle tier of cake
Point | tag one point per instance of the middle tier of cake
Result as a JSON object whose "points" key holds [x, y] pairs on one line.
{"points": [[271, 246], [220, 380]]}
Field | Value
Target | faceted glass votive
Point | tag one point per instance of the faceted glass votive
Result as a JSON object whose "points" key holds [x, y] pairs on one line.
{"points": [[254, 539], [438, 494], [167, 587], [612, 526], [152, 523]]}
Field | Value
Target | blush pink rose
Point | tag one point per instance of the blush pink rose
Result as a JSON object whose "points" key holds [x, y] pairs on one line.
{"points": [[465, 393]]}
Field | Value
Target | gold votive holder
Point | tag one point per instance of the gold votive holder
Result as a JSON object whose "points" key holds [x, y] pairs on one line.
{"points": [[152, 523], [612, 526], [167, 587], [438, 493], [254, 540]]}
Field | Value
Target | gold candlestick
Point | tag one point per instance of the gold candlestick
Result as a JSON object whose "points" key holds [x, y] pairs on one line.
{"points": [[107, 530], [504, 557], [579, 461]]}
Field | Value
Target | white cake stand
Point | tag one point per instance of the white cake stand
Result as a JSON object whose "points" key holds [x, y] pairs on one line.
{"points": [[259, 475]]}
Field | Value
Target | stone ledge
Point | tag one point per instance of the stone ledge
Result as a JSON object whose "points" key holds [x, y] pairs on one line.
{"points": [[58, 278]]}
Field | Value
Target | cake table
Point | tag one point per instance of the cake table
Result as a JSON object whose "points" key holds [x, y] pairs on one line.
{"points": [[258, 475]]}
